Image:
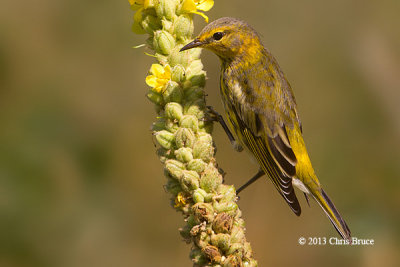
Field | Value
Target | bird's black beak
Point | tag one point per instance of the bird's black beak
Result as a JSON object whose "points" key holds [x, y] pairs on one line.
{"points": [[195, 43]]}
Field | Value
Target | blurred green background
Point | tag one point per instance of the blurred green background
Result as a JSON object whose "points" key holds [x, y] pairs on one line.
{"points": [[80, 183]]}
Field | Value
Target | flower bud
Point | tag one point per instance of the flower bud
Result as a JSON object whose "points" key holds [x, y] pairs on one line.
{"points": [[174, 168], [184, 137], [155, 97], [173, 92], [158, 125], [163, 154], [189, 121], [189, 180], [223, 223], [178, 73], [173, 111], [165, 138], [176, 57], [183, 27], [203, 149], [198, 79], [163, 42], [193, 93], [196, 165], [150, 23], [195, 53], [222, 241], [195, 108], [203, 212], [167, 25], [184, 154], [166, 8], [210, 179], [194, 68], [171, 125], [212, 253]]}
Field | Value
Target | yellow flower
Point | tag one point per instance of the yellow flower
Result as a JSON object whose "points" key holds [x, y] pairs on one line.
{"points": [[139, 6], [159, 77], [180, 200], [191, 6]]}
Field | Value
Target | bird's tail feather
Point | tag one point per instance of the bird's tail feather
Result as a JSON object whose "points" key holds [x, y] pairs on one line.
{"points": [[333, 214]]}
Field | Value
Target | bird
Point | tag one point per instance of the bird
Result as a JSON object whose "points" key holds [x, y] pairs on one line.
{"points": [[261, 111]]}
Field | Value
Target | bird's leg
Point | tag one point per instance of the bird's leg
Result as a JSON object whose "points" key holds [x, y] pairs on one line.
{"points": [[215, 116], [249, 182]]}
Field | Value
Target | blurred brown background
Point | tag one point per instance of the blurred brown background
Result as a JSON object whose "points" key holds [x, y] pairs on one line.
{"points": [[80, 184]]}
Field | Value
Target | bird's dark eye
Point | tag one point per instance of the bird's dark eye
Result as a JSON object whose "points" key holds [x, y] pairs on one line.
{"points": [[218, 35]]}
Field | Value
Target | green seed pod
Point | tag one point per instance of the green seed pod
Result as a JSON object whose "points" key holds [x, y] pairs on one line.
{"points": [[183, 27], [212, 253], [178, 74], [210, 179], [184, 154], [228, 207], [173, 186], [150, 23], [223, 223], [189, 180], [173, 111], [174, 168], [222, 241], [236, 248], [189, 121], [196, 165], [166, 8], [228, 192], [165, 139], [233, 261], [173, 92], [198, 257], [237, 234], [198, 197], [163, 42], [184, 137], [203, 212], [176, 57], [248, 251], [155, 97]]}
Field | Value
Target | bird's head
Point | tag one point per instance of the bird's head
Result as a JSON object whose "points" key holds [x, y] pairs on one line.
{"points": [[228, 38]]}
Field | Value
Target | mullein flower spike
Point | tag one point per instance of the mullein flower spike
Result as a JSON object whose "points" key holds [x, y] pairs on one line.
{"points": [[213, 219]]}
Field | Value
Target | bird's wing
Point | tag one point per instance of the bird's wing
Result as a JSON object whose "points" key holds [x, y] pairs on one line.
{"points": [[264, 110]]}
